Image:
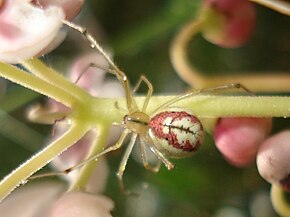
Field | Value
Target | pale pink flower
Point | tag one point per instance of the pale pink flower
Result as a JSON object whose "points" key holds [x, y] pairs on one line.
{"points": [[46, 199], [75, 204], [33, 28], [26, 29]]}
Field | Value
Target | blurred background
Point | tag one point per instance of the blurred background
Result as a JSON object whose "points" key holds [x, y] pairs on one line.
{"points": [[139, 34]]}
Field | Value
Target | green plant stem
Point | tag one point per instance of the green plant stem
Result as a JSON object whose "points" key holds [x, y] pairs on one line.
{"points": [[38, 68], [34, 83], [19, 175], [87, 170], [9, 125], [16, 98], [212, 106]]}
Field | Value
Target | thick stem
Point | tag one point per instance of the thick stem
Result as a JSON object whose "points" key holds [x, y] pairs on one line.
{"points": [[270, 82], [38, 68], [34, 83], [39, 160], [214, 106]]}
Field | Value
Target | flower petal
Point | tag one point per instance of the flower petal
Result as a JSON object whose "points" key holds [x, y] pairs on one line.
{"points": [[82, 204], [30, 199], [71, 8], [26, 30]]}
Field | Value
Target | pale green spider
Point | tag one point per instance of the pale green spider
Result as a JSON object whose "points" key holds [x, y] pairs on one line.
{"points": [[168, 132]]}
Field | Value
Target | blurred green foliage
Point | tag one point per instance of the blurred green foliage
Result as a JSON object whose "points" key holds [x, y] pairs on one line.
{"points": [[139, 34]]}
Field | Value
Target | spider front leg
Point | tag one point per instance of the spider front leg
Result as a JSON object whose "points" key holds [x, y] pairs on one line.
{"points": [[229, 86], [121, 76], [149, 92]]}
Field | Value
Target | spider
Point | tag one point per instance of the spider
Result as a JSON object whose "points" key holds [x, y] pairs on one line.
{"points": [[169, 132]]}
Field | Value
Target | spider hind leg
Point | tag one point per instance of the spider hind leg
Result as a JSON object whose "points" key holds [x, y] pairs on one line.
{"points": [[123, 164], [144, 157]]}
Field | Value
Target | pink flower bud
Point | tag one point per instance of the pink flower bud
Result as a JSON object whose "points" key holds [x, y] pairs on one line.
{"points": [[81, 204], [238, 139], [228, 23], [273, 159]]}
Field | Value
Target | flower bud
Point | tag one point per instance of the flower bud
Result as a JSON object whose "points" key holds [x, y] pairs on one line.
{"points": [[238, 139], [228, 23], [273, 159]]}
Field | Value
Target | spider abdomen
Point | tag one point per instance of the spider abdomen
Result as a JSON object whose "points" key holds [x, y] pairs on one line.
{"points": [[176, 133]]}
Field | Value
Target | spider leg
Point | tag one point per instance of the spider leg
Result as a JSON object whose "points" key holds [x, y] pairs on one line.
{"points": [[118, 144], [161, 157], [123, 164], [93, 65], [148, 141], [204, 90], [149, 92], [115, 70], [147, 166]]}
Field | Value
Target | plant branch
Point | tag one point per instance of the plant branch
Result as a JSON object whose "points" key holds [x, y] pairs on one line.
{"points": [[87, 170], [211, 106], [34, 83], [38, 68], [39, 160]]}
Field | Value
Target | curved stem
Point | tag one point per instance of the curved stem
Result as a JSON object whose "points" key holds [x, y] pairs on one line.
{"points": [[178, 55], [282, 7], [34, 83], [270, 82], [279, 201], [41, 70], [39, 160]]}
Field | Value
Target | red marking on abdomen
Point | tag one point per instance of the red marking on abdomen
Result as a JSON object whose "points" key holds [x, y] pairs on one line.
{"points": [[157, 126]]}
